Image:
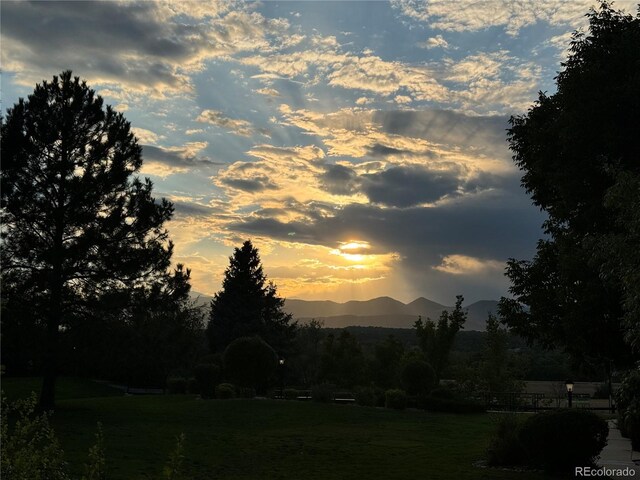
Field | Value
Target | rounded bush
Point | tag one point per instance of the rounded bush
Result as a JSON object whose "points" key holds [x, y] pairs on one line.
{"points": [[505, 447], [365, 396], [177, 385], [323, 393], [246, 392], [250, 362], [442, 393], [207, 377], [560, 440], [628, 403], [396, 399], [225, 391], [192, 386], [418, 377], [290, 393]]}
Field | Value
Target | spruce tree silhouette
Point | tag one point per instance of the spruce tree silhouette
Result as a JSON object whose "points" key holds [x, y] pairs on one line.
{"points": [[248, 305]]}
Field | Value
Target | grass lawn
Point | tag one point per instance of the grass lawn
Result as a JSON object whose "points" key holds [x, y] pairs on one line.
{"points": [[268, 439]]}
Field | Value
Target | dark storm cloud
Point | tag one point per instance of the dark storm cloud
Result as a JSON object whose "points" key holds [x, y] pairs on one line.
{"points": [[256, 184], [486, 133], [339, 180], [190, 209], [175, 158], [114, 40], [495, 227], [409, 186], [379, 150]]}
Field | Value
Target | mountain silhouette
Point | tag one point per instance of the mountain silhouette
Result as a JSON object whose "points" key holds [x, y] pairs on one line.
{"points": [[377, 312]]}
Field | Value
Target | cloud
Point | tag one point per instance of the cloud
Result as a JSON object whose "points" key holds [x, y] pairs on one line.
{"points": [[473, 15], [410, 186], [465, 265], [165, 161], [434, 42], [218, 119], [339, 180], [145, 47]]}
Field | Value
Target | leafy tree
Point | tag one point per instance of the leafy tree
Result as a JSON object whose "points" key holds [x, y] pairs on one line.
{"points": [[342, 361], [418, 377], [305, 363], [436, 340], [247, 305], [385, 366], [77, 222], [575, 146], [250, 362], [498, 372]]}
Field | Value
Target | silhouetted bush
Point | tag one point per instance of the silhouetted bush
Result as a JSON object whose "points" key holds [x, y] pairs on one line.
{"points": [[628, 402], [177, 385], [250, 362], [365, 396], [246, 392], [560, 440], [225, 391], [436, 404], [443, 393], [396, 399], [208, 376], [505, 447], [418, 377], [290, 393], [602, 391], [323, 393], [192, 386]]}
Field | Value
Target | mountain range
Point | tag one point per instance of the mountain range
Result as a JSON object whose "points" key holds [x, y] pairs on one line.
{"points": [[377, 312]]}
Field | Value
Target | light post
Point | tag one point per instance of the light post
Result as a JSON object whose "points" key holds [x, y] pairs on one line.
{"points": [[281, 362], [569, 385]]}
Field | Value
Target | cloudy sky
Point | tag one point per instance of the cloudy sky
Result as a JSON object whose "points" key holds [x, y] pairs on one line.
{"points": [[360, 145]]}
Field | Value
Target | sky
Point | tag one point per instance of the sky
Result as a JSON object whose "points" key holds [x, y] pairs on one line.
{"points": [[361, 146]]}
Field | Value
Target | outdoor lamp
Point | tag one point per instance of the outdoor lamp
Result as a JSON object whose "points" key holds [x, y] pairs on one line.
{"points": [[569, 385], [282, 362]]}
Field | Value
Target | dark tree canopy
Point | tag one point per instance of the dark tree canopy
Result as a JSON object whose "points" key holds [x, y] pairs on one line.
{"points": [[436, 339], [248, 305], [77, 221], [572, 146]]}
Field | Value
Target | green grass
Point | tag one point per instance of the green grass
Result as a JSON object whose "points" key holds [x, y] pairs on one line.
{"points": [[267, 439], [66, 388]]}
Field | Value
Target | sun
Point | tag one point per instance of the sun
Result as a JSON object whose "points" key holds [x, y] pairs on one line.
{"points": [[353, 250]]}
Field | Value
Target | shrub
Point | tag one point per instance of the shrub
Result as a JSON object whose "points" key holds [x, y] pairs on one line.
{"points": [[560, 440], [505, 447], [30, 448], [365, 396], [443, 393], [290, 393], [435, 404], [177, 385], [96, 468], [246, 392], [207, 376], [418, 377], [192, 385], [396, 399], [224, 391], [250, 362], [323, 393], [628, 402]]}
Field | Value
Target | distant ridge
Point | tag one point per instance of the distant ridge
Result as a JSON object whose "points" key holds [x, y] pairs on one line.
{"points": [[377, 312]]}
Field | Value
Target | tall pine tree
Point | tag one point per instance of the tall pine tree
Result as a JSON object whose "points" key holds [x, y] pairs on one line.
{"points": [[248, 305], [76, 220]]}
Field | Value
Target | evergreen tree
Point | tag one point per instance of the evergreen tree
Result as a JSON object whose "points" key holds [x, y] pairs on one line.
{"points": [[77, 222], [248, 305]]}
